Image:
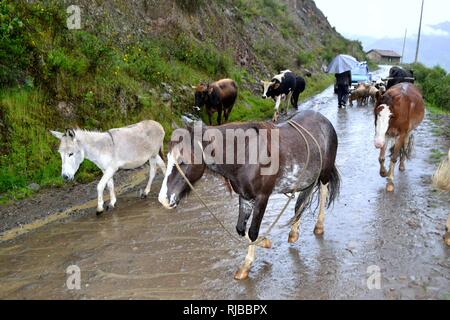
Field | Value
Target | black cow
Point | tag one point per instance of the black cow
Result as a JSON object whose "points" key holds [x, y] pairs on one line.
{"points": [[284, 84], [398, 75]]}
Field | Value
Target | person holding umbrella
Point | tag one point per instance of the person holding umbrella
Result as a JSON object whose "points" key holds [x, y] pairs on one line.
{"points": [[341, 66]]}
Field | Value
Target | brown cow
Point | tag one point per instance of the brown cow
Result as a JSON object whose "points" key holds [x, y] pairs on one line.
{"points": [[217, 96], [397, 113]]}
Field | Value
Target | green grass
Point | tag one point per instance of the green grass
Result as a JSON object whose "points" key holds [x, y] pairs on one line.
{"points": [[437, 110], [437, 156], [31, 155]]}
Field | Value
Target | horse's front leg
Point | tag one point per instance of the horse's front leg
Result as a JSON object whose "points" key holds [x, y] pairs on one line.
{"points": [[258, 214], [107, 176], [245, 211], [399, 143], [381, 159]]}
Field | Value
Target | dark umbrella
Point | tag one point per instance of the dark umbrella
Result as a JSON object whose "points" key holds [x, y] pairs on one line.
{"points": [[342, 63]]}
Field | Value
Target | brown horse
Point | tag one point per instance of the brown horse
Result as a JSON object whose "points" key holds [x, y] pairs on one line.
{"points": [[397, 113], [441, 180], [305, 162]]}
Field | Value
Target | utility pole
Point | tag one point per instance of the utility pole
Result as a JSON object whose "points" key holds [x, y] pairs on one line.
{"points": [[420, 31], [404, 45]]}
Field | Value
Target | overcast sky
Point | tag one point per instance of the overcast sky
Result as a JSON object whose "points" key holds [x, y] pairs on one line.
{"points": [[384, 18]]}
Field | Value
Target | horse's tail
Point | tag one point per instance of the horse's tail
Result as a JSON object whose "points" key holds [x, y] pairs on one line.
{"points": [[304, 201], [407, 150], [334, 186], [306, 197]]}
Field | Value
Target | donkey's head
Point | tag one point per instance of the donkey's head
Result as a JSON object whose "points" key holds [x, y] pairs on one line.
{"points": [[72, 155], [181, 151]]}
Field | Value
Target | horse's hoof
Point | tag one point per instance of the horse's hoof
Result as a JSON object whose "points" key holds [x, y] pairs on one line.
{"points": [[144, 196], [241, 275], [110, 207], [266, 244], [99, 213], [319, 231], [383, 174], [293, 237], [390, 187], [402, 168], [447, 239]]}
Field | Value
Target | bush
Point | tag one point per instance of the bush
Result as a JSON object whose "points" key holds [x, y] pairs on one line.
{"points": [[14, 50], [435, 85], [305, 58]]}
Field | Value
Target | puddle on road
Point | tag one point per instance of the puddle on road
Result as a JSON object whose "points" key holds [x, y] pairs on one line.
{"points": [[141, 251]]}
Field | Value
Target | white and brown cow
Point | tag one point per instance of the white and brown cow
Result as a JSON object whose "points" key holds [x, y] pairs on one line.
{"points": [[286, 84]]}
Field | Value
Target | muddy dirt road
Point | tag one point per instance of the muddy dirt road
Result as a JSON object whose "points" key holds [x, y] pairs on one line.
{"points": [[141, 250]]}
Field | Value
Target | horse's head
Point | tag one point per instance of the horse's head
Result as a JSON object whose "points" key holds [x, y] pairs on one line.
{"points": [[181, 151], [72, 155], [383, 115]]}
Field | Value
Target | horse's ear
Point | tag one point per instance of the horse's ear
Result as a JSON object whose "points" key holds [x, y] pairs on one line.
{"points": [[57, 135], [70, 133]]}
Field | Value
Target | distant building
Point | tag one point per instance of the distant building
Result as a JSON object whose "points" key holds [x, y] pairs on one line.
{"points": [[384, 56]]}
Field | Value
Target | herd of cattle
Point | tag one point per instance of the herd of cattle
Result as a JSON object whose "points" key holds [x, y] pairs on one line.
{"points": [[220, 96], [365, 92]]}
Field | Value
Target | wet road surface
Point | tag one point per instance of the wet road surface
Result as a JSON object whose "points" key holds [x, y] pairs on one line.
{"points": [[141, 251]]}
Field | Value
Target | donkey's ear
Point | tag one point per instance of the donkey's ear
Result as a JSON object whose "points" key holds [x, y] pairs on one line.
{"points": [[57, 135], [70, 133]]}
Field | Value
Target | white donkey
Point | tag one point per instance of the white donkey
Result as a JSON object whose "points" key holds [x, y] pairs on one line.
{"points": [[124, 148]]}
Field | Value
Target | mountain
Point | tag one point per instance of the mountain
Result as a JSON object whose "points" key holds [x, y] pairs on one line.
{"points": [[134, 60], [434, 47]]}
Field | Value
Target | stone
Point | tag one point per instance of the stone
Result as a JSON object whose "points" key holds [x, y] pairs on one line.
{"points": [[34, 187]]}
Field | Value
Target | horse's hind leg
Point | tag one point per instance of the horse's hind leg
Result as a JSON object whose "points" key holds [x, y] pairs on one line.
{"points": [[319, 229], [303, 201], [404, 153], [153, 164]]}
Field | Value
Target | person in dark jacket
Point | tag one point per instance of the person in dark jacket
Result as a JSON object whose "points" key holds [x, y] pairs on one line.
{"points": [[343, 82]]}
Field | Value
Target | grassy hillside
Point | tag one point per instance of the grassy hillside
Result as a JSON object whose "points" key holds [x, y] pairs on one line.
{"points": [[131, 62]]}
